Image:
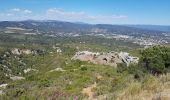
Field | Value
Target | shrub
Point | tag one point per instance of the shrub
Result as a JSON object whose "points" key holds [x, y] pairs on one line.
{"points": [[156, 59], [121, 67], [44, 83], [83, 68], [136, 71]]}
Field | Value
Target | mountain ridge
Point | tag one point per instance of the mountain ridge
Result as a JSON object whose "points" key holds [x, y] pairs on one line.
{"points": [[62, 26]]}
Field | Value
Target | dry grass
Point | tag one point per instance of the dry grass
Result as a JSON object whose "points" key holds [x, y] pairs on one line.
{"points": [[153, 88]]}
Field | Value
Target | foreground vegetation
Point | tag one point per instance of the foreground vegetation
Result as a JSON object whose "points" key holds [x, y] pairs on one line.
{"points": [[147, 80]]}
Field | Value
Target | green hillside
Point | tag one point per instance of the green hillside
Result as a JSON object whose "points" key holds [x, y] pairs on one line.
{"points": [[53, 75]]}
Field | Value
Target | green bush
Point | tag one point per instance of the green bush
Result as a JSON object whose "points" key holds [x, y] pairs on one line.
{"points": [[137, 71], [16, 92], [44, 83], [121, 67], [156, 59], [83, 68]]}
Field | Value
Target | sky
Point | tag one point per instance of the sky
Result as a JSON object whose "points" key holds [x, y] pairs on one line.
{"points": [[150, 12]]}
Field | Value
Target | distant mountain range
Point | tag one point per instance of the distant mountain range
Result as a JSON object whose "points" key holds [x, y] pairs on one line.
{"points": [[52, 26], [152, 27]]}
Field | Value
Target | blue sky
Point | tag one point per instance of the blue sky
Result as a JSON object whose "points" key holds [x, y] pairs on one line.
{"points": [[156, 12]]}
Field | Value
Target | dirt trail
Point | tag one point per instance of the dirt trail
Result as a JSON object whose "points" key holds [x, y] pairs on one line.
{"points": [[88, 91]]}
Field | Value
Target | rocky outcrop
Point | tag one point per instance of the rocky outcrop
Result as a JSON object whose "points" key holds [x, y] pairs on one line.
{"points": [[14, 78], [58, 69], [17, 51], [2, 87], [109, 58], [29, 69]]}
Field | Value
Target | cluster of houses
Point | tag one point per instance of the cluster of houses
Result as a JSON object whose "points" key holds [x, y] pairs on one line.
{"points": [[109, 58]]}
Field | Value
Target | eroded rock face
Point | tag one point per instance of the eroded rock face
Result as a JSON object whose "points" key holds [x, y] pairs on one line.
{"points": [[110, 58], [16, 51], [26, 51]]}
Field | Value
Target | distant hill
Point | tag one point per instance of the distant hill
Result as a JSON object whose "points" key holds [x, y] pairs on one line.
{"points": [[152, 27], [52, 26]]}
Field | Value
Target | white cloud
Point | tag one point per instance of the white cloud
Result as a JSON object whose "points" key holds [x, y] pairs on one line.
{"points": [[25, 11], [60, 14], [16, 9], [9, 14], [63, 12]]}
